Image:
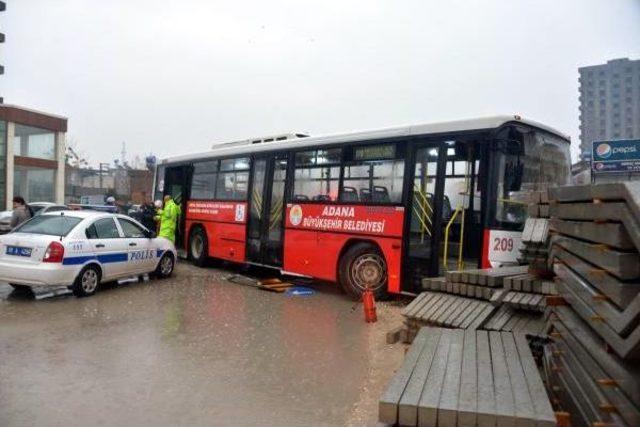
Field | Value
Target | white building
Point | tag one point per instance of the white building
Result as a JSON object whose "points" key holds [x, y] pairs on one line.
{"points": [[32, 155]]}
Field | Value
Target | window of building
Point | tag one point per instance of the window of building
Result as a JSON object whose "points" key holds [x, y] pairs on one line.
{"points": [[317, 175], [203, 185], [3, 161], [35, 142], [34, 184]]}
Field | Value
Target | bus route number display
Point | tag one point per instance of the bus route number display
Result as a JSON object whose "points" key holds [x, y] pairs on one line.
{"points": [[504, 246], [374, 152]]}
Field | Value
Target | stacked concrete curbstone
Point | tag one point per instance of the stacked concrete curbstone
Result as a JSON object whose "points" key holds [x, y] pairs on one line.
{"points": [[592, 362]]}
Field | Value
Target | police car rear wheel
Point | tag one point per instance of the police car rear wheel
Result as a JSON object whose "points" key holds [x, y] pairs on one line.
{"points": [[87, 282], [165, 267]]}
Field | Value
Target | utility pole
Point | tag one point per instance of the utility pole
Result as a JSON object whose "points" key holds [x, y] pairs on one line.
{"points": [[3, 7], [123, 154], [106, 168]]}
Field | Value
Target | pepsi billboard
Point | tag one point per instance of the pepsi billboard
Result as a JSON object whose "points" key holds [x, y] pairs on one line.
{"points": [[616, 156]]}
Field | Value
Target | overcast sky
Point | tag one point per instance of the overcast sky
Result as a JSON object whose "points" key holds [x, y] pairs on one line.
{"points": [[172, 77]]}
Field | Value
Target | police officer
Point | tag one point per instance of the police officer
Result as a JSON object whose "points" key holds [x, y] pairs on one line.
{"points": [[168, 217], [147, 216]]}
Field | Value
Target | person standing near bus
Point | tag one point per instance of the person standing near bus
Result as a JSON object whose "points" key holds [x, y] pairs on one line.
{"points": [[168, 217]]}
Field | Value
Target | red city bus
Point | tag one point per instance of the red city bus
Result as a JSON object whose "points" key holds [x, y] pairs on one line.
{"points": [[379, 209]]}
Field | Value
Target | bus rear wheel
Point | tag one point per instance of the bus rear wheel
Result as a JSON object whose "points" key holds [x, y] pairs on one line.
{"points": [[363, 266], [199, 247]]}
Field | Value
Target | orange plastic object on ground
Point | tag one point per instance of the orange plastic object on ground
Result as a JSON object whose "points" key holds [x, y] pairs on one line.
{"points": [[369, 303]]}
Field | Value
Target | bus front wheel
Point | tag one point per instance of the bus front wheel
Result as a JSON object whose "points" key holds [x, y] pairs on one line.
{"points": [[363, 266], [198, 247]]}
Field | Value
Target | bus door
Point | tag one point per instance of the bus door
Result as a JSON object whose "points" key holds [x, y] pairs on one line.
{"points": [[265, 232], [427, 206], [177, 183]]}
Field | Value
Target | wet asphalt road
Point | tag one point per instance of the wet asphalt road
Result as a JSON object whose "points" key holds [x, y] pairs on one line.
{"points": [[192, 350]]}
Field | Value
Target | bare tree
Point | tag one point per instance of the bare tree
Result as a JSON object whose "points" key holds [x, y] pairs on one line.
{"points": [[74, 156]]}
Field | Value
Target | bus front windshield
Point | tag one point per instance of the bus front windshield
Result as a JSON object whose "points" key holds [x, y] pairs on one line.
{"points": [[527, 161]]}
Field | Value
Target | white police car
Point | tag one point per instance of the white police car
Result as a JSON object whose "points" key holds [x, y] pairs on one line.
{"points": [[82, 249]]}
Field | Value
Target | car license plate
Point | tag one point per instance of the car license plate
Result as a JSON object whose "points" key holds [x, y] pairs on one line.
{"points": [[18, 251]]}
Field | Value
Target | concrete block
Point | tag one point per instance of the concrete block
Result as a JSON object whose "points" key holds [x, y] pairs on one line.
{"points": [[567, 343], [625, 374], [523, 405], [620, 293], [448, 404], [430, 398], [600, 212], [408, 403], [505, 410], [486, 397], [625, 347], [608, 233], [624, 265], [468, 400], [388, 404], [621, 321]]}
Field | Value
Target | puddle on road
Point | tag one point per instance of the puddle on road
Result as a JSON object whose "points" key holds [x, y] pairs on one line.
{"points": [[190, 350]]}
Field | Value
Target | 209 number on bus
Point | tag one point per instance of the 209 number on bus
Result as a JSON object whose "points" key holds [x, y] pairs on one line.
{"points": [[503, 244]]}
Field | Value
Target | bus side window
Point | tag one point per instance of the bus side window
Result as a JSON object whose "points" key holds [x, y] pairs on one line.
{"points": [[317, 175], [233, 179], [378, 181]]}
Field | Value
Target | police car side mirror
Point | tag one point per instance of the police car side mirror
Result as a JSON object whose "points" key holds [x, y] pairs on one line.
{"points": [[151, 234]]}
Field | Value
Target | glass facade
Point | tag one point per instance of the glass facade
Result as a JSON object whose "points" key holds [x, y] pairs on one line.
{"points": [[29, 141], [3, 162], [34, 184]]}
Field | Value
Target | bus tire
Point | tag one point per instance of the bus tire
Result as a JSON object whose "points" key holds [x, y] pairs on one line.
{"points": [[363, 265], [198, 247]]}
